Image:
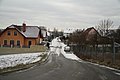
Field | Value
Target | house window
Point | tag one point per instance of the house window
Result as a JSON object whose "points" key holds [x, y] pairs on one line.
{"points": [[8, 33], [15, 33], [18, 43], [5, 42]]}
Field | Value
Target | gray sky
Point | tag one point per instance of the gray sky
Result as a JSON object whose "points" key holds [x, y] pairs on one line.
{"points": [[59, 13]]}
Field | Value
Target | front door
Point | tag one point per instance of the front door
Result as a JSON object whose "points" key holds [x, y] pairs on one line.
{"points": [[29, 43], [11, 43]]}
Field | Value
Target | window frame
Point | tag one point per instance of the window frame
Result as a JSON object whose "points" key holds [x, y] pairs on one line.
{"points": [[6, 42], [8, 33], [18, 41], [15, 33]]}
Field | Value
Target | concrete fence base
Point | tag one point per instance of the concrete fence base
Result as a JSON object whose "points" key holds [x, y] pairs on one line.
{"points": [[33, 48]]}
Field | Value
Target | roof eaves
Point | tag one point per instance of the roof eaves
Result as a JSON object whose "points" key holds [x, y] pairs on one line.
{"points": [[20, 32]]}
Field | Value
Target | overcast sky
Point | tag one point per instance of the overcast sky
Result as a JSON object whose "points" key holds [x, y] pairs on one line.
{"points": [[61, 14]]}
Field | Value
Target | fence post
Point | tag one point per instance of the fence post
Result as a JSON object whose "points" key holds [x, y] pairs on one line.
{"points": [[113, 58]]}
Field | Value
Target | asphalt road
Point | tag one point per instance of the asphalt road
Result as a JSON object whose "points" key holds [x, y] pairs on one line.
{"points": [[60, 68]]}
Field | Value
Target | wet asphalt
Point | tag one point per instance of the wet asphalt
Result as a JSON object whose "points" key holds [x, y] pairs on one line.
{"points": [[60, 68]]}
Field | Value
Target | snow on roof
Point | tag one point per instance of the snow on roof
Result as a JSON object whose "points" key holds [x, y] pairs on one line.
{"points": [[69, 30], [31, 31], [1, 30], [12, 26]]}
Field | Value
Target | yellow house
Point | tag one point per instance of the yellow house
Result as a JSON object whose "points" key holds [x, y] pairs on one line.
{"points": [[20, 36]]}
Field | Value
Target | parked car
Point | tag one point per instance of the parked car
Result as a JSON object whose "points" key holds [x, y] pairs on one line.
{"points": [[67, 49]]}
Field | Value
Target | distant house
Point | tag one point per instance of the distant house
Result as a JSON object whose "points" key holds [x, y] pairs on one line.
{"points": [[91, 35], [44, 32], [20, 36], [67, 32]]}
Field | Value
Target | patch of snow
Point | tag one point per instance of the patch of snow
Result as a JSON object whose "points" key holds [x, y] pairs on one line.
{"points": [[16, 59], [68, 55], [36, 60], [56, 45], [71, 56], [117, 73], [55, 42]]}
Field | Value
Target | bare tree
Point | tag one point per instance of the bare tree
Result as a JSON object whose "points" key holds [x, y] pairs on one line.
{"points": [[75, 37], [103, 27]]}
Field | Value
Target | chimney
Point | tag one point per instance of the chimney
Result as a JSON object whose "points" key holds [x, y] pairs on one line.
{"points": [[24, 27]]}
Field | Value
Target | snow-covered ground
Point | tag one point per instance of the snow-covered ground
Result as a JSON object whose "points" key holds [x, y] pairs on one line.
{"points": [[68, 55], [16, 59], [56, 44]]}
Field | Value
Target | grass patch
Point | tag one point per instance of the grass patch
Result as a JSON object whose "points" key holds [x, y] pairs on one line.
{"points": [[99, 60]]}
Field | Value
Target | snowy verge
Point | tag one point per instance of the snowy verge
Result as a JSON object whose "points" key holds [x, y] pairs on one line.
{"points": [[17, 59], [58, 47], [69, 55]]}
